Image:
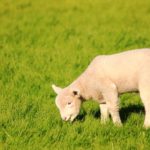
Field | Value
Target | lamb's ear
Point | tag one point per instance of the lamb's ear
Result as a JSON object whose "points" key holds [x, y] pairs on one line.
{"points": [[76, 92], [56, 89]]}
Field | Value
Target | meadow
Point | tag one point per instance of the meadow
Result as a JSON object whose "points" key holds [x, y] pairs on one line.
{"points": [[52, 41]]}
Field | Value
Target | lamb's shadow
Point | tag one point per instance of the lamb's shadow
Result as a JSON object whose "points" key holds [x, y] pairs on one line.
{"points": [[125, 112], [94, 112], [82, 115]]}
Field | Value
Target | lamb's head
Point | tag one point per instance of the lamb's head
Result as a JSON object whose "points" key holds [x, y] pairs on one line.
{"points": [[68, 101]]}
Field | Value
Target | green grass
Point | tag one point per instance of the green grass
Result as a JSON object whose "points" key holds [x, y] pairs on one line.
{"points": [[44, 42]]}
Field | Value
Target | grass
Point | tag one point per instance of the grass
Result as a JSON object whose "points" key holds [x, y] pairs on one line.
{"points": [[44, 42]]}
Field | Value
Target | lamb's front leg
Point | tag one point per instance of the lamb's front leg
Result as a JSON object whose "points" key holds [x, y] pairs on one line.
{"points": [[111, 97], [104, 113]]}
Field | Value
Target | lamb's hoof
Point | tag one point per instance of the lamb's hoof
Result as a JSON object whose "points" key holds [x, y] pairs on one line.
{"points": [[104, 121], [118, 124]]}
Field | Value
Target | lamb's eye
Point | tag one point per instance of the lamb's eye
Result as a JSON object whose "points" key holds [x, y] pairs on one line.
{"points": [[69, 103]]}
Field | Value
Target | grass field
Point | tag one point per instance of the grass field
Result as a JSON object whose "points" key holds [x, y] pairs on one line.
{"points": [[44, 42]]}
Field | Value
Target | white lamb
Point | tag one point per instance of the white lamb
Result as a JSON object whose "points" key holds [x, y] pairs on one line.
{"points": [[106, 77]]}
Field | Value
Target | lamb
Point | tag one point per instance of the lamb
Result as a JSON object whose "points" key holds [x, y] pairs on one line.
{"points": [[106, 77]]}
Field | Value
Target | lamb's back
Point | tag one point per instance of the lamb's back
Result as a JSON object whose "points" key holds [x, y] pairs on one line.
{"points": [[123, 68]]}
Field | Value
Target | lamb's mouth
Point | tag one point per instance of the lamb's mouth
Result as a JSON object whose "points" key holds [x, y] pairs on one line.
{"points": [[73, 117]]}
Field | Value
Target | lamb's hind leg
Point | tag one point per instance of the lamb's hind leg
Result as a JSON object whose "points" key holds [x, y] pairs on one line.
{"points": [[145, 96]]}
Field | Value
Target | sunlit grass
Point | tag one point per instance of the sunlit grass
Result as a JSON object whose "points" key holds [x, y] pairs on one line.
{"points": [[45, 42]]}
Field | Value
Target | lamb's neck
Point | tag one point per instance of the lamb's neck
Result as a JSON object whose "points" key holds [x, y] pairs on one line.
{"points": [[82, 83]]}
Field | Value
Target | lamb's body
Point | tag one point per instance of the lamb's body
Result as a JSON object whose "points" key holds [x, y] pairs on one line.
{"points": [[126, 70], [109, 75]]}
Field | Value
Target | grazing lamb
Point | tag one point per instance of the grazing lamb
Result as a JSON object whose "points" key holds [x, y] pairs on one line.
{"points": [[106, 77]]}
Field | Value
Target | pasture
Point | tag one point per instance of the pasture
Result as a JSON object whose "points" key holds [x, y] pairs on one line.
{"points": [[52, 41]]}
